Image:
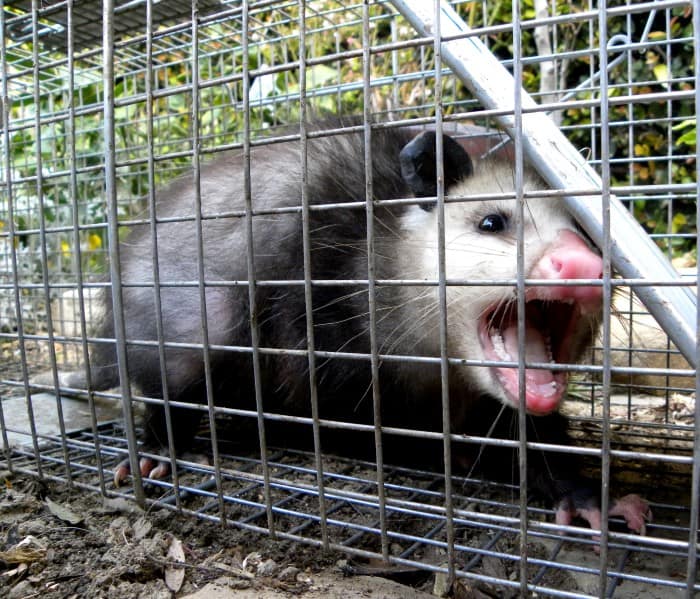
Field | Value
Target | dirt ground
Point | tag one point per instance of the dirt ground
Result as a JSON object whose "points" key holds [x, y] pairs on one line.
{"points": [[61, 542], [57, 541]]}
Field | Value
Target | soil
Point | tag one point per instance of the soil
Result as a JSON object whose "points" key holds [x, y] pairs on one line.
{"points": [[61, 542], [57, 541]]}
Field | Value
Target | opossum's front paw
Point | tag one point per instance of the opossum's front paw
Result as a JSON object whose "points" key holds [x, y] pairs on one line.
{"points": [[148, 467], [583, 504], [155, 469]]}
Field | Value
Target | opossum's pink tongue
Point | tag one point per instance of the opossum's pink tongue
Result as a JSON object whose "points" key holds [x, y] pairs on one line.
{"points": [[536, 350], [543, 390]]}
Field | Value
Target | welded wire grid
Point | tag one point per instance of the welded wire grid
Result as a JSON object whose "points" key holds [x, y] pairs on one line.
{"points": [[485, 518], [57, 161]]}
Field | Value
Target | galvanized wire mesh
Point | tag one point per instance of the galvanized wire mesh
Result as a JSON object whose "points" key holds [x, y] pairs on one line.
{"points": [[234, 77]]}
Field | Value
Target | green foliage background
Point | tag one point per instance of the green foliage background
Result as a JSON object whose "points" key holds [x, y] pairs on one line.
{"points": [[658, 148]]}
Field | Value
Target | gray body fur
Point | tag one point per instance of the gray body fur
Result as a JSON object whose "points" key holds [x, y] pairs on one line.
{"points": [[407, 317]]}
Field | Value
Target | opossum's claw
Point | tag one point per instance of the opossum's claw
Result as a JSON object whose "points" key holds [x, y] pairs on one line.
{"points": [[160, 471], [121, 473], [632, 508], [148, 467]]}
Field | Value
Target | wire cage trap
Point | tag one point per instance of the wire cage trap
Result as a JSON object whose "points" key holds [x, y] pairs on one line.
{"points": [[97, 117]]}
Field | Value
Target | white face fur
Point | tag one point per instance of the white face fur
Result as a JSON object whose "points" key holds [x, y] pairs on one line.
{"points": [[480, 244]]}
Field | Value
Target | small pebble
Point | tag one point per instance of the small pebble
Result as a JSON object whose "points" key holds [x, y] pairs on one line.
{"points": [[288, 574], [267, 568]]}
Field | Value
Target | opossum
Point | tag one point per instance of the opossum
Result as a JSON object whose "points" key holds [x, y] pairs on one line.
{"points": [[480, 245]]}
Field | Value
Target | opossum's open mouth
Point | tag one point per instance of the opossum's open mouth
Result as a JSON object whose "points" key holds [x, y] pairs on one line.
{"points": [[549, 327]]}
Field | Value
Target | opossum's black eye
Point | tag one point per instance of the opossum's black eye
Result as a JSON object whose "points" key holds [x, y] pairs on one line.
{"points": [[493, 223]]}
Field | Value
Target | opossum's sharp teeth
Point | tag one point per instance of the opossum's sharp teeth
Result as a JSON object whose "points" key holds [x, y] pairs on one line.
{"points": [[548, 348], [499, 347], [548, 389], [548, 336]]}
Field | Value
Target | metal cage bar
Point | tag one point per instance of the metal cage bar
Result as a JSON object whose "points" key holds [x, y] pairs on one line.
{"points": [[233, 78]]}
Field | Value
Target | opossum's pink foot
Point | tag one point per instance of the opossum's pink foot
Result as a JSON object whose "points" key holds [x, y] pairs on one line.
{"points": [[148, 467], [121, 473], [160, 471], [155, 469], [632, 508], [566, 512]]}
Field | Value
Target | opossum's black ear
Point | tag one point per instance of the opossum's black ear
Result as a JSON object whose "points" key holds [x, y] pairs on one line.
{"points": [[417, 161]]}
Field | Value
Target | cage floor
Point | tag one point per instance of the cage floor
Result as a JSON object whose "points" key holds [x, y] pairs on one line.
{"points": [[351, 516]]}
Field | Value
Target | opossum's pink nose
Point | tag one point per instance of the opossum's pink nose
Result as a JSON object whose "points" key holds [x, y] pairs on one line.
{"points": [[569, 257]]}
